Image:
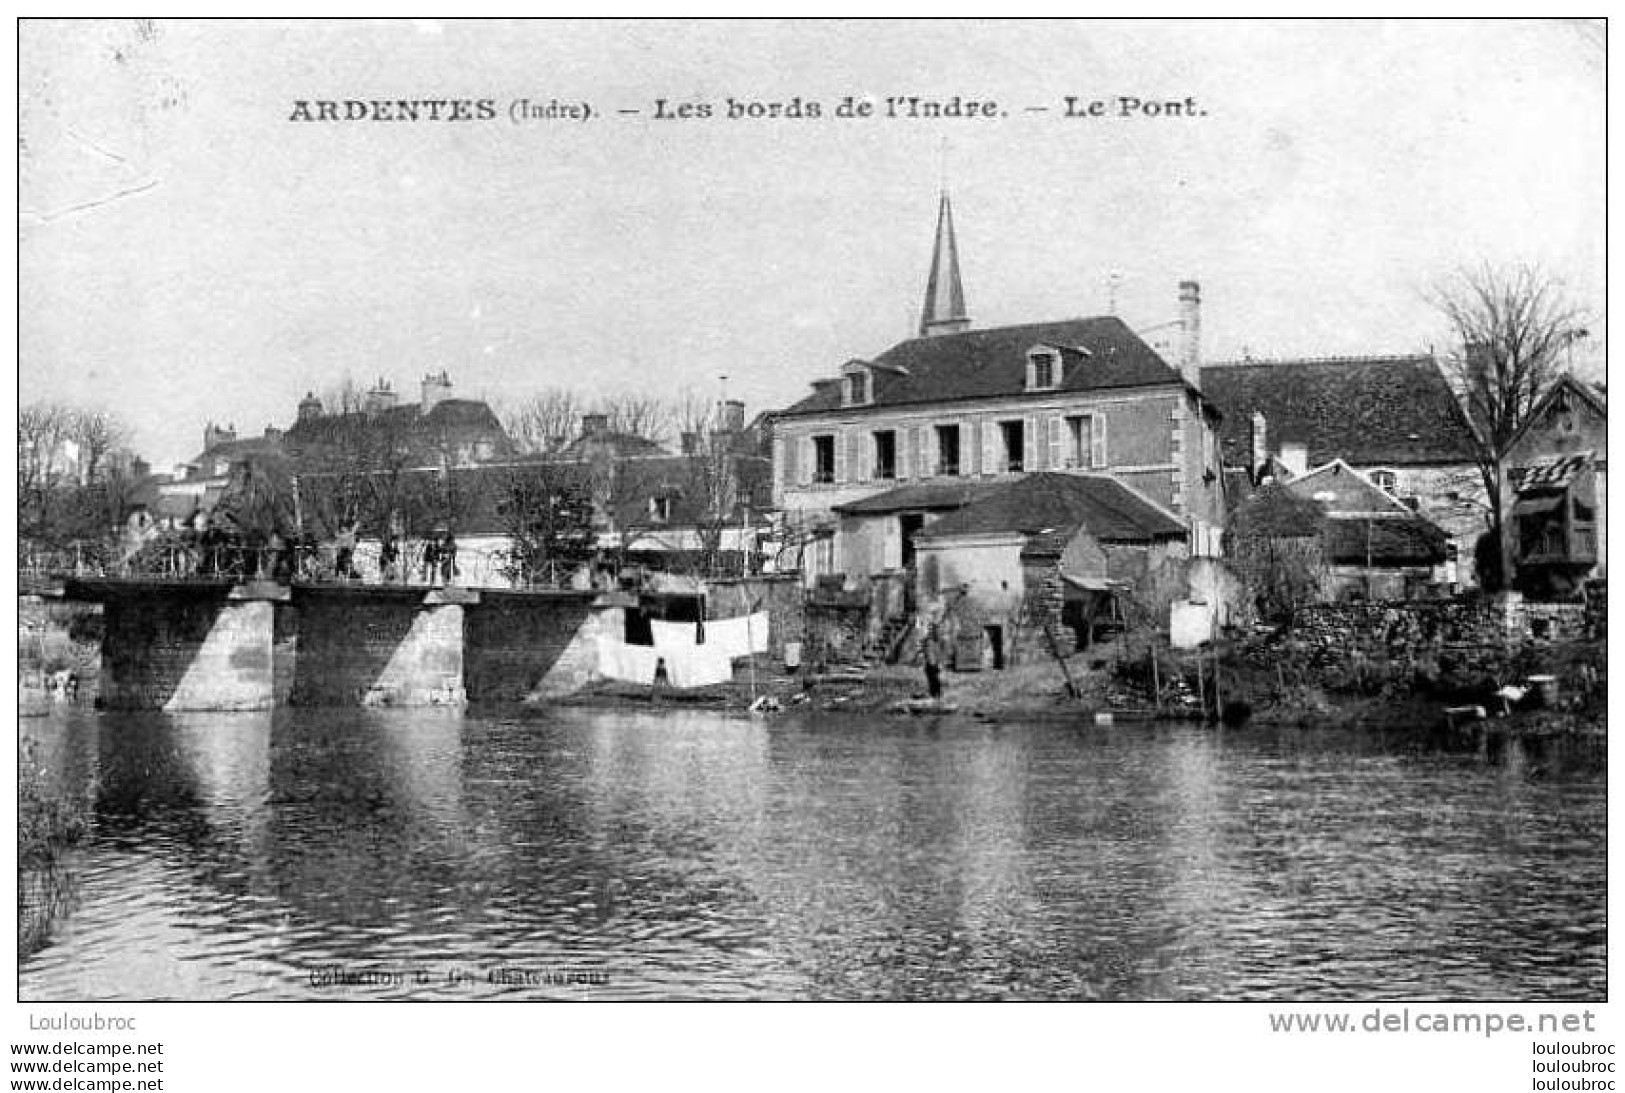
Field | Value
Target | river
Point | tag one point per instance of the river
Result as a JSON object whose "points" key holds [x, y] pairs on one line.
{"points": [[574, 853]]}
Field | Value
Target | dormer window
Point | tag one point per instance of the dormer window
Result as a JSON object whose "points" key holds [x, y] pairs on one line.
{"points": [[1043, 369], [1385, 480], [857, 383]]}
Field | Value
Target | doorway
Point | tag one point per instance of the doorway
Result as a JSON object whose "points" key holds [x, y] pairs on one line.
{"points": [[995, 646]]}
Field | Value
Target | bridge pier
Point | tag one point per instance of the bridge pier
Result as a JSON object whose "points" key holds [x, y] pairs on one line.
{"points": [[186, 646], [211, 645], [379, 645]]}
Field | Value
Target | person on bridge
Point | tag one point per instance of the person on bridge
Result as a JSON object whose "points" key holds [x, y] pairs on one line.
{"points": [[448, 557], [389, 556], [345, 543]]}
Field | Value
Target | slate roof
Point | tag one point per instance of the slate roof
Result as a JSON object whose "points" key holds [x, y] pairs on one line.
{"points": [[452, 414], [1369, 411], [234, 450], [620, 445], [1048, 503], [920, 497], [986, 363]]}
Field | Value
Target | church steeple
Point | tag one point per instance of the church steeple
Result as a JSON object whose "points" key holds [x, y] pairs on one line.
{"points": [[944, 311]]}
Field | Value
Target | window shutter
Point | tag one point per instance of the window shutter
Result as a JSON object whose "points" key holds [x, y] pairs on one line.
{"points": [[1029, 443], [809, 459], [990, 452], [922, 451], [1057, 428], [840, 456], [1097, 442], [789, 447]]}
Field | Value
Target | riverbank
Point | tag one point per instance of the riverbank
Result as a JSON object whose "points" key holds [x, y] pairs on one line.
{"points": [[55, 638], [1085, 687]]}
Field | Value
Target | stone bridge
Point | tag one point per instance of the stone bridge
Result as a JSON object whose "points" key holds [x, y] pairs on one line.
{"points": [[199, 644]]}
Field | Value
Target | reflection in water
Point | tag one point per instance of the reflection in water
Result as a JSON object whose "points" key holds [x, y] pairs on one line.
{"points": [[368, 854]]}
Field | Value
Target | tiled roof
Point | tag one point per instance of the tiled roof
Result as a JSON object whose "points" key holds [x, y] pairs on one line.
{"points": [[1552, 474], [1369, 411], [1275, 511], [1046, 503], [1399, 540], [920, 497], [987, 363]]}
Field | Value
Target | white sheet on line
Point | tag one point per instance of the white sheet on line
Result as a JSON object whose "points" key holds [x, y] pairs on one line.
{"points": [[673, 635], [738, 637], [627, 663], [697, 666]]}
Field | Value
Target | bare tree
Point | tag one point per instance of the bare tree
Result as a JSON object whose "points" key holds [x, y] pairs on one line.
{"points": [[1277, 549], [97, 433], [646, 416], [47, 468], [710, 479], [344, 396], [1512, 326], [545, 422]]}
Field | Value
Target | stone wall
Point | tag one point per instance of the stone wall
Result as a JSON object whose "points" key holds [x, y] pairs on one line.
{"points": [[1454, 644], [836, 630], [781, 597]]}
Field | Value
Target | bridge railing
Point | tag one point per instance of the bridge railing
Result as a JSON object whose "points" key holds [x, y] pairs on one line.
{"points": [[174, 559]]}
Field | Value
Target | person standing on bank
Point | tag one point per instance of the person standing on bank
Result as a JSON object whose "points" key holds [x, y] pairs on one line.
{"points": [[931, 655]]}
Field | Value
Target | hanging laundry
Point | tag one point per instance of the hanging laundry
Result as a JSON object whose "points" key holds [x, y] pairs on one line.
{"points": [[697, 666], [738, 637], [627, 663], [673, 635]]}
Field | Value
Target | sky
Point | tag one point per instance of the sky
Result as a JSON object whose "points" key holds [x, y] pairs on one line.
{"points": [[188, 253]]}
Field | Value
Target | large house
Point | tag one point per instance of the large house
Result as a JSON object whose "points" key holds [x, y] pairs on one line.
{"points": [[957, 406], [436, 430], [1393, 419], [376, 434]]}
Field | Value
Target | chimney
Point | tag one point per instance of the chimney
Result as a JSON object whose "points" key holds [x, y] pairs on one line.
{"points": [[1190, 332], [140, 468], [436, 389], [381, 397], [593, 425], [1295, 457], [691, 443], [1261, 442], [733, 416]]}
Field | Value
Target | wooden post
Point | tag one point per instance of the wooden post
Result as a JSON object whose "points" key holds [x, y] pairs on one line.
{"points": [[1156, 676], [1201, 686]]}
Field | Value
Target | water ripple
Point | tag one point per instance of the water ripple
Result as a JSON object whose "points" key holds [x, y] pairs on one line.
{"points": [[360, 855]]}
